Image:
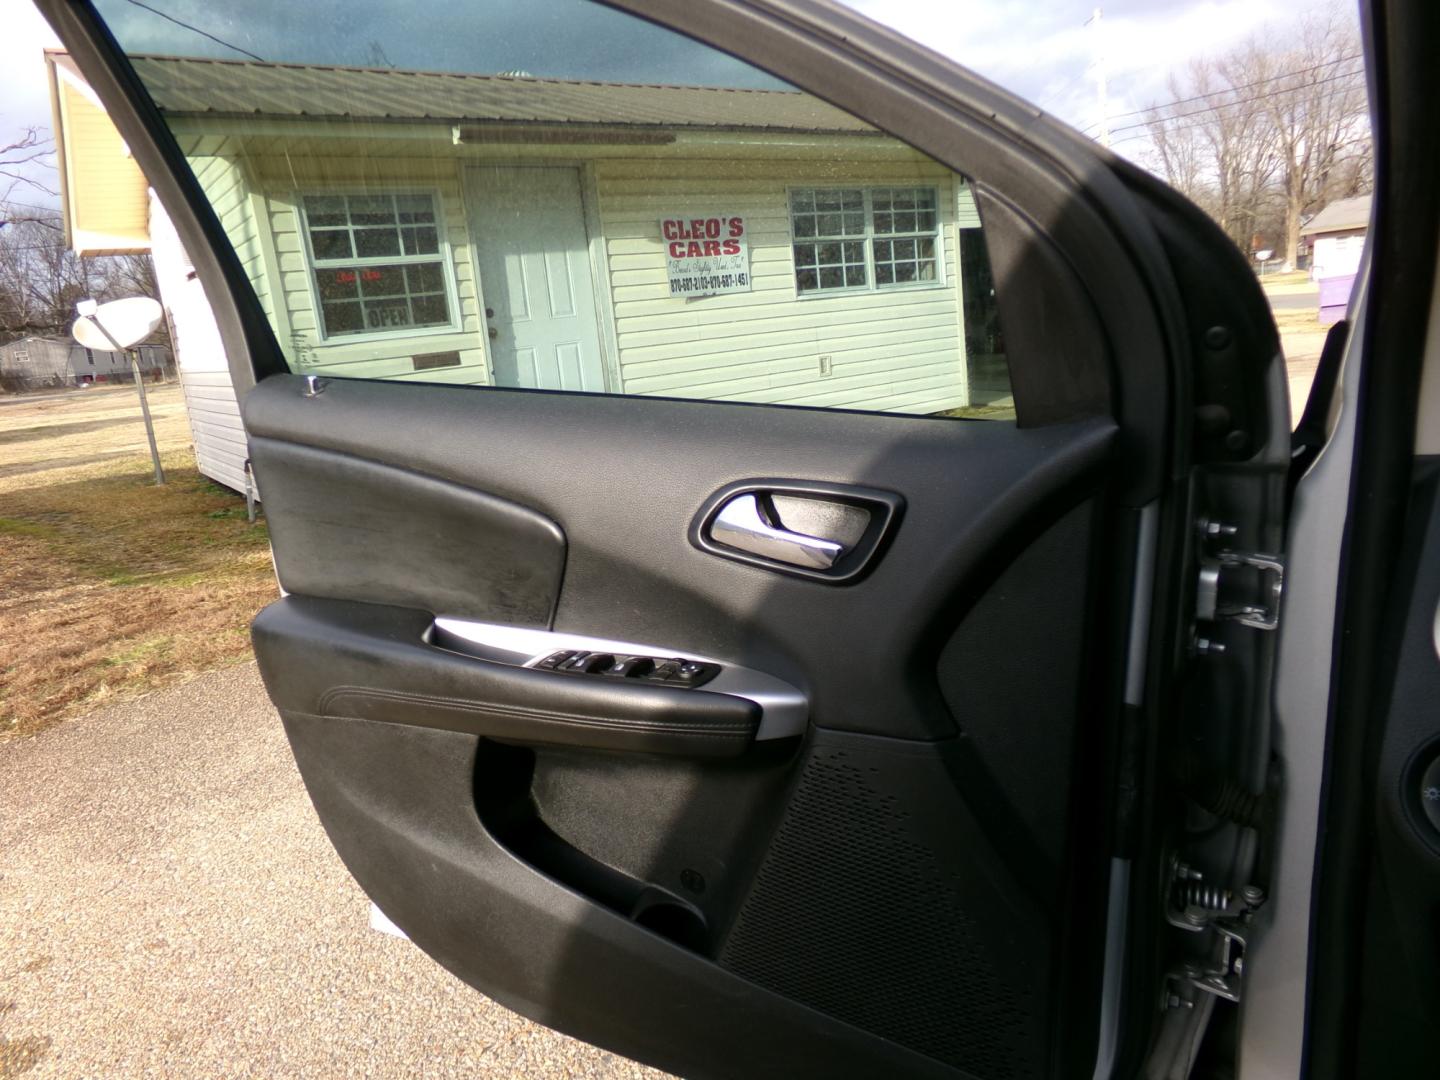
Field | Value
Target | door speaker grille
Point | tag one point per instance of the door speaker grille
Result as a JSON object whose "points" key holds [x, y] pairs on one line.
{"points": [[854, 915]]}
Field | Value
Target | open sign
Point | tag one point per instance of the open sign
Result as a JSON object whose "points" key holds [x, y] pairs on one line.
{"points": [[706, 255]]}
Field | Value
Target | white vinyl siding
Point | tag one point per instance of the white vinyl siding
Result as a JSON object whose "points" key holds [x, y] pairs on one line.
{"points": [[215, 426], [967, 214], [210, 402], [888, 349], [370, 357], [222, 177], [894, 350]]}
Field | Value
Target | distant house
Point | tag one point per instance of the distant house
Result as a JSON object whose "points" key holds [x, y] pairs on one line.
{"points": [[108, 209], [1337, 238], [37, 363], [752, 245]]}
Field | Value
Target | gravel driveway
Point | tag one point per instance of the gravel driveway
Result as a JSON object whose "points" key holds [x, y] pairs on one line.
{"points": [[169, 906]]}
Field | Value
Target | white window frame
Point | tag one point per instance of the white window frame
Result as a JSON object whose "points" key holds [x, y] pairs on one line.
{"points": [[868, 240], [312, 264]]}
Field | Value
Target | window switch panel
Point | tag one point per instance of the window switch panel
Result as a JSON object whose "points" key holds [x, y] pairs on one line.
{"points": [[669, 670]]}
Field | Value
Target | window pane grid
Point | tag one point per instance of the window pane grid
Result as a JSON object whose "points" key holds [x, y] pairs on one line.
{"points": [[845, 238], [374, 262], [352, 227]]}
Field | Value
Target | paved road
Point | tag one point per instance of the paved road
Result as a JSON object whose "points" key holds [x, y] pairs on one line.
{"points": [[169, 906], [1296, 301]]}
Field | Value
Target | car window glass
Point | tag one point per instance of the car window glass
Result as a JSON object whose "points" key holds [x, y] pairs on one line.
{"points": [[558, 196]]}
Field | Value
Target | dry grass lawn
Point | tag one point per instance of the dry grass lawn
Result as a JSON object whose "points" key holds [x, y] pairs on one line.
{"points": [[109, 585]]}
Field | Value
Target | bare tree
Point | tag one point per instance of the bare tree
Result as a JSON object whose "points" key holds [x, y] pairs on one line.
{"points": [[41, 279], [1270, 132], [31, 146], [1178, 150], [1214, 143], [1316, 102]]}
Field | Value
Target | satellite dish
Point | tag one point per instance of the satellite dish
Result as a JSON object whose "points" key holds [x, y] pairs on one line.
{"points": [[1263, 256], [126, 322]]}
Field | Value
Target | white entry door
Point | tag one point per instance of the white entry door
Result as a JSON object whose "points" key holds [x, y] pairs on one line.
{"points": [[529, 233]]}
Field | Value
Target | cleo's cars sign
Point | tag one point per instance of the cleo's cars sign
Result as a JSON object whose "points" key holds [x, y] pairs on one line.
{"points": [[706, 255]]}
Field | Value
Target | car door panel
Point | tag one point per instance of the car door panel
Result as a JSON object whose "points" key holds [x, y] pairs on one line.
{"points": [[658, 807], [631, 571]]}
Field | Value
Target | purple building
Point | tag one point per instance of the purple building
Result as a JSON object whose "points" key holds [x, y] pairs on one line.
{"points": [[1337, 239]]}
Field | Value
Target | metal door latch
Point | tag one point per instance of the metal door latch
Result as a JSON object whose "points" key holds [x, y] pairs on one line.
{"points": [[1223, 576]]}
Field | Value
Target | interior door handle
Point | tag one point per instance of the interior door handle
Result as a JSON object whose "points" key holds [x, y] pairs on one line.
{"points": [[748, 522]]}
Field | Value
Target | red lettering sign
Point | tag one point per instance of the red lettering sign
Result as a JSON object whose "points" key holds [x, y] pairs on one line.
{"points": [[706, 256], [711, 228]]}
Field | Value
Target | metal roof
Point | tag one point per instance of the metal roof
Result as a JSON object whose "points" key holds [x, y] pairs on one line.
{"points": [[1342, 215], [240, 88]]}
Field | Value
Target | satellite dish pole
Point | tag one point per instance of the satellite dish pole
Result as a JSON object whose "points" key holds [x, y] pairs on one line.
{"points": [[129, 322]]}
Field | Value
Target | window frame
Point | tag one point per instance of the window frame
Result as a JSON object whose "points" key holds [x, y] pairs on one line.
{"points": [[868, 240], [443, 254]]}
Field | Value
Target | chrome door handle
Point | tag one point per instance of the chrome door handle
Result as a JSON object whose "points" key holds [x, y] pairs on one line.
{"points": [[747, 523]]}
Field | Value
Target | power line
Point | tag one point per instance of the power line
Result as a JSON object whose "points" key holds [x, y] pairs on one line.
{"points": [[1237, 101], [1070, 84], [1199, 123], [195, 29], [1247, 86], [1242, 86]]}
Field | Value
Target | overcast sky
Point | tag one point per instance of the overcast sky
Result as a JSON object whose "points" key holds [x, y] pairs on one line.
{"points": [[1042, 49]]}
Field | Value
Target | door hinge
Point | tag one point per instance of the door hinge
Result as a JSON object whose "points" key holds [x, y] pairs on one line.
{"points": [[1222, 974], [1219, 966], [1240, 586]]}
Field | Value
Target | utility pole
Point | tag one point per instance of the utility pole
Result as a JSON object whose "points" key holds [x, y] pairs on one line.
{"points": [[1102, 89]]}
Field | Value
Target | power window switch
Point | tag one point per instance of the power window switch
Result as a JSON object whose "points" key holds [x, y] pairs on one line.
{"points": [[554, 660], [630, 667], [665, 670]]}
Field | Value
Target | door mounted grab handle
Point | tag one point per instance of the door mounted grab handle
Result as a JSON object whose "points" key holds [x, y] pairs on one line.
{"points": [[749, 523]]}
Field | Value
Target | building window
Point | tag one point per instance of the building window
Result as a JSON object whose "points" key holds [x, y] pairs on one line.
{"points": [[90, 356], [854, 239], [377, 262]]}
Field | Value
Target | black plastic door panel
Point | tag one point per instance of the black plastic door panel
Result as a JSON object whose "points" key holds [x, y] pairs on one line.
{"points": [[646, 866]]}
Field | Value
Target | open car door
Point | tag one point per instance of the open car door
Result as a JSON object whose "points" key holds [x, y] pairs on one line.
{"points": [[779, 538]]}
